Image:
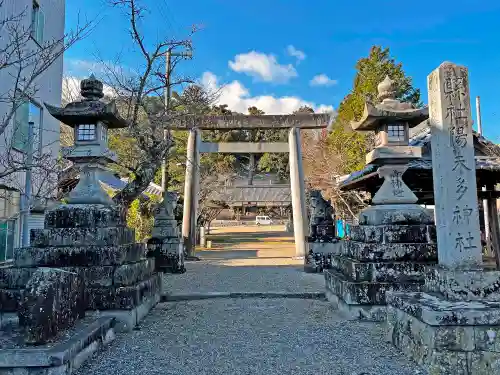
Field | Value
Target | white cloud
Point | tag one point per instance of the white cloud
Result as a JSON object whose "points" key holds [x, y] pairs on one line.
{"points": [[238, 98], [263, 67], [322, 80], [78, 67], [294, 52]]}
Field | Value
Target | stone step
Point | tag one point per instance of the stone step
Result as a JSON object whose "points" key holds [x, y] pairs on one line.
{"points": [[85, 216], [123, 275], [364, 292], [129, 274], [394, 233], [379, 271], [124, 297], [15, 278], [9, 300], [375, 252], [82, 236], [78, 256]]}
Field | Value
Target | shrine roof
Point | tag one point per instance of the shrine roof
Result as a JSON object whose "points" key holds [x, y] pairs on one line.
{"points": [[88, 112], [389, 111], [276, 195], [90, 108], [488, 161]]}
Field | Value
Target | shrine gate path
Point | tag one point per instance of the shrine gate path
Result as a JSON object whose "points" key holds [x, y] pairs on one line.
{"points": [[291, 329]]}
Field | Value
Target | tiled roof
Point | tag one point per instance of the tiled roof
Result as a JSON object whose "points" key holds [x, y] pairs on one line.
{"points": [[420, 137], [276, 194]]}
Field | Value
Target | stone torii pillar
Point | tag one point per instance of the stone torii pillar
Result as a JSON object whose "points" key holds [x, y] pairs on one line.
{"points": [[297, 187], [191, 192], [195, 123]]}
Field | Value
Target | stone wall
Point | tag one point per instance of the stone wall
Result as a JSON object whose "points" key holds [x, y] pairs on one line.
{"points": [[376, 260], [446, 338]]}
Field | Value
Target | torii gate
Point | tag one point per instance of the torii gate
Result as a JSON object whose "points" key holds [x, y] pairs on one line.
{"points": [[195, 123]]}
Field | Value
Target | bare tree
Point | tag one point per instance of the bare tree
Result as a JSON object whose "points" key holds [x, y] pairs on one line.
{"points": [[140, 98], [322, 168], [213, 196], [23, 60]]}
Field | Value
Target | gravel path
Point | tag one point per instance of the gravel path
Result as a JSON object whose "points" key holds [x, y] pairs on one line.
{"points": [[250, 336], [245, 275]]}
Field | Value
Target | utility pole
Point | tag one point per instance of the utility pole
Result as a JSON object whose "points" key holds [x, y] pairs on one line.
{"points": [[166, 132], [26, 199], [486, 213]]}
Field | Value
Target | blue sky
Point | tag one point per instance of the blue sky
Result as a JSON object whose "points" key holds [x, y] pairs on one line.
{"points": [[247, 45]]}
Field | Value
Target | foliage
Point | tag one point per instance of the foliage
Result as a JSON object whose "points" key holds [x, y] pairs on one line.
{"points": [[343, 151], [140, 216], [370, 71], [279, 163]]}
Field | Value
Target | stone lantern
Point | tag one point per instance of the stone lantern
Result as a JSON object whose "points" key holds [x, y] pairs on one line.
{"points": [[90, 118], [391, 121], [395, 241]]}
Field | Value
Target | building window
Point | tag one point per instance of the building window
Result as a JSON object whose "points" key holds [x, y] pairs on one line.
{"points": [[7, 231], [9, 209], [396, 132], [86, 132], [27, 114], [37, 23]]}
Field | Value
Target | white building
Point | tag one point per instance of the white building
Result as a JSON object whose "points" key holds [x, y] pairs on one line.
{"points": [[44, 20]]}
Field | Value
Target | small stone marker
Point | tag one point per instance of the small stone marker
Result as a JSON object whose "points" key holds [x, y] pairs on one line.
{"points": [[454, 168], [52, 301]]}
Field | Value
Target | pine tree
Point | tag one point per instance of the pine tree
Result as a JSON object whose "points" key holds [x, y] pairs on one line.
{"points": [[370, 71]]}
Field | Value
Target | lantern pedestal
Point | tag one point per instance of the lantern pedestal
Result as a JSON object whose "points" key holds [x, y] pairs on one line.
{"points": [[165, 245]]}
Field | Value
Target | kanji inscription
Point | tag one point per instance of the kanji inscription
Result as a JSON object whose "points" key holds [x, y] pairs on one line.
{"points": [[454, 168]]}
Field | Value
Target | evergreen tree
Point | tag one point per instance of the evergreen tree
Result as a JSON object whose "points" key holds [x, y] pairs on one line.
{"points": [[370, 71]]}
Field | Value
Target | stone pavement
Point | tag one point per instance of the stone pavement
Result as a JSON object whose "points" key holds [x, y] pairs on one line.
{"points": [[249, 335]]}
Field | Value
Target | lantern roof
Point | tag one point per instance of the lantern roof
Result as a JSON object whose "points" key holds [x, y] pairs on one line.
{"points": [[389, 110], [90, 109]]}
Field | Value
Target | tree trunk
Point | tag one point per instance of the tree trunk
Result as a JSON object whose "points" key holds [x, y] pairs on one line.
{"points": [[144, 174], [251, 169]]}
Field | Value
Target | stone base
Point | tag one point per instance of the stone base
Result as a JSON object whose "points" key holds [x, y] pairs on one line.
{"points": [[53, 301], [9, 300], [381, 272], [168, 254], [395, 214], [389, 234], [7, 318], [127, 320], [364, 299], [123, 297], [320, 256], [444, 336], [62, 358], [464, 285], [394, 252], [371, 313], [85, 216], [170, 263]]}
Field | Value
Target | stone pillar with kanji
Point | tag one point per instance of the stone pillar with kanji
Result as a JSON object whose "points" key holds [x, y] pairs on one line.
{"points": [[455, 323]]}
